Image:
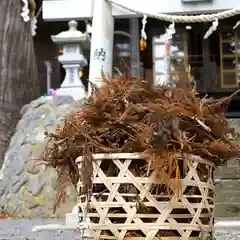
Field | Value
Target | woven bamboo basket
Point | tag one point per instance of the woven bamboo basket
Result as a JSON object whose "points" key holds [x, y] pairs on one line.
{"points": [[127, 204]]}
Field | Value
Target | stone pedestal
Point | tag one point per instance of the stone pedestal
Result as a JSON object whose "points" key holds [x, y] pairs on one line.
{"points": [[73, 60]]}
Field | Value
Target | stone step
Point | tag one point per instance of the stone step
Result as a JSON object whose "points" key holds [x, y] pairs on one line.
{"points": [[226, 210], [227, 184], [228, 199], [227, 172]]}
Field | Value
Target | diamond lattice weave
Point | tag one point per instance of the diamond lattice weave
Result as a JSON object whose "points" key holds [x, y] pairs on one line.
{"points": [[126, 204]]}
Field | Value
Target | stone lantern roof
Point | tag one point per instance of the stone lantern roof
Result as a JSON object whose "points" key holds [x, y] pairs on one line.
{"points": [[72, 35]]}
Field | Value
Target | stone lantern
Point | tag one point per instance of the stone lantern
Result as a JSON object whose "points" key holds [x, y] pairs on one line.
{"points": [[72, 59]]}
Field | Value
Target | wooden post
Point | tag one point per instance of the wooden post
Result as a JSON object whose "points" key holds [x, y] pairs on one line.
{"points": [[135, 55]]}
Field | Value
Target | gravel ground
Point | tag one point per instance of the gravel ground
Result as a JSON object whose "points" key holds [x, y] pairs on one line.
{"points": [[22, 230]]}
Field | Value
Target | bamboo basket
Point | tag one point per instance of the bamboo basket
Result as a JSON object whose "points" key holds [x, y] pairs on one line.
{"points": [[126, 204]]}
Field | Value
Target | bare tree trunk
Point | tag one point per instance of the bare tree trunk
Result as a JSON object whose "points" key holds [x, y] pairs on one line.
{"points": [[18, 71]]}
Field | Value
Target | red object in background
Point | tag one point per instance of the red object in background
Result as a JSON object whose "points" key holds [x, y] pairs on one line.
{"points": [[169, 47], [60, 51]]}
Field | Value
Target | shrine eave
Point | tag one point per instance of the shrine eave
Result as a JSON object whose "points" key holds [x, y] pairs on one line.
{"points": [[65, 10]]}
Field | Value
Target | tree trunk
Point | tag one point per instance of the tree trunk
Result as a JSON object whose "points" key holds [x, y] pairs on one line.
{"points": [[18, 70]]}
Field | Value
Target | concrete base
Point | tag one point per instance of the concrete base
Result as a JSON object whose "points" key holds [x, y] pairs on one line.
{"points": [[71, 223], [77, 92], [54, 227], [227, 224]]}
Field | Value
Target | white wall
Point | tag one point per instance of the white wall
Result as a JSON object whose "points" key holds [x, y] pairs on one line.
{"points": [[60, 10]]}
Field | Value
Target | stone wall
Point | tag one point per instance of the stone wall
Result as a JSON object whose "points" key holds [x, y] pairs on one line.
{"points": [[26, 187], [228, 185]]}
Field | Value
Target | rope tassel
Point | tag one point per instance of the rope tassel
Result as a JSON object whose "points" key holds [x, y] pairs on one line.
{"points": [[143, 42], [212, 29], [25, 11], [34, 25]]}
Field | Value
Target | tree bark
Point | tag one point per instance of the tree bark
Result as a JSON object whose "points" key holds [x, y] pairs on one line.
{"points": [[18, 70]]}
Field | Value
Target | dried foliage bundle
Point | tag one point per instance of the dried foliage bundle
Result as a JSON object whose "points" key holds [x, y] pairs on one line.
{"points": [[131, 115]]}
